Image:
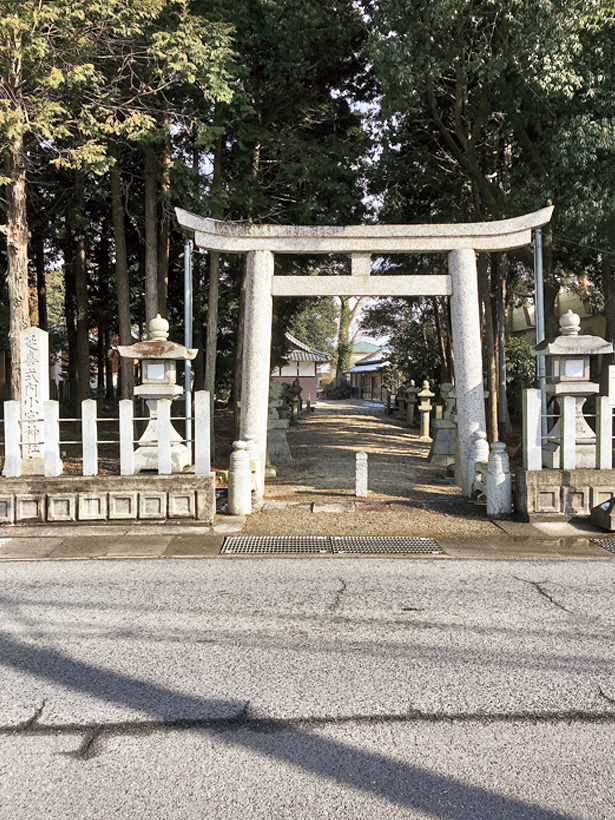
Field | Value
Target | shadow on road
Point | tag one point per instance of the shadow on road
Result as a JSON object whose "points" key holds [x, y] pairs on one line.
{"points": [[400, 783]]}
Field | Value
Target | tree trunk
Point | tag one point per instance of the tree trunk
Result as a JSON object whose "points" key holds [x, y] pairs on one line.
{"points": [[441, 335], [17, 256], [100, 359], [551, 284], [490, 363], [69, 312], [38, 249], [211, 340], [104, 312], [81, 295], [165, 226], [151, 239], [344, 348], [109, 390], [121, 276], [608, 288]]}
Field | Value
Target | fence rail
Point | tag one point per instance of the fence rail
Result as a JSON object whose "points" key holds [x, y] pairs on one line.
{"points": [[39, 438]]}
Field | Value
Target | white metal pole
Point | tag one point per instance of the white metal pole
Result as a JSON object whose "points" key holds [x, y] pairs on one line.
{"points": [[539, 312], [188, 313]]}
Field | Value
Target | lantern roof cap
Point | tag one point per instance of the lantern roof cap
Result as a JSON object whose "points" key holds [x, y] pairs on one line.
{"points": [[158, 345], [571, 343]]}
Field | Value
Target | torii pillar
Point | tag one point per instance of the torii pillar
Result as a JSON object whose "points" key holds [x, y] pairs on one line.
{"points": [[256, 365]]}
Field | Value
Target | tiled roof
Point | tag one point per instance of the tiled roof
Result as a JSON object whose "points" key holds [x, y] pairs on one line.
{"points": [[303, 353]]}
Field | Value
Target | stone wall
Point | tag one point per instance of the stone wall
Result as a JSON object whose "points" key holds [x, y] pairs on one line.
{"points": [[39, 499], [559, 494]]}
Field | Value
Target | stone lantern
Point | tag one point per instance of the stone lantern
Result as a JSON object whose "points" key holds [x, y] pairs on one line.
{"points": [[158, 358], [569, 358], [425, 408]]}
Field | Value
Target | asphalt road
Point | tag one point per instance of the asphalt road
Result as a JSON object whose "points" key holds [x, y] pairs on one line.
{"points": [[285, 688]]}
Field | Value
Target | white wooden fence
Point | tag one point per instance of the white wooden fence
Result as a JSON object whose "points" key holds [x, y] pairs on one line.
{"points": [[14, 443]]}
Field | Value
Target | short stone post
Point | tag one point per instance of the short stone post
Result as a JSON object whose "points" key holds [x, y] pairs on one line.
{"points": [[361, 475], [239, 481], [479, 453], [604, 430], [498, 482], [51, 438], [256, 468], [411, 394], [532, 429], [89, 436], [402, 404], [164, 436], [202, 428], [12, 440], [127, 451], [425, 407], [568, 431]]}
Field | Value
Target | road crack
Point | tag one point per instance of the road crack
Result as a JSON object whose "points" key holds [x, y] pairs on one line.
{"points": [[339, 595], [538, 586], [606, 697]]}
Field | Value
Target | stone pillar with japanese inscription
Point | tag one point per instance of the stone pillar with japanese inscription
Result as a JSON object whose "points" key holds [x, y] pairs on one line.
{"points": [[34, 349]]}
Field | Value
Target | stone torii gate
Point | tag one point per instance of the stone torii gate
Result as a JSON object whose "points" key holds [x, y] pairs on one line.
{"points": [[460, 242]]}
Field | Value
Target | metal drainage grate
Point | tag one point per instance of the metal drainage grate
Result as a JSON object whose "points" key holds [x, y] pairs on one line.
{"points": [[605, 543], [275, 544], [386, 544], [339, 545]]}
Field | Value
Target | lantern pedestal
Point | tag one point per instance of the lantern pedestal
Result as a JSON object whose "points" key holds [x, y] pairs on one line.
{"points": [[585, 441], [146, 454]]}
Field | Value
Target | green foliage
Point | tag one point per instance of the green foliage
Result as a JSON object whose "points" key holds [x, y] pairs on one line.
{"points": [[414, 350], [315, 323], [73, 74], [520, 364], [337, 389]]}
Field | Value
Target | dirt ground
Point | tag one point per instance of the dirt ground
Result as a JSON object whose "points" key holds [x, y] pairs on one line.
{"points": [[407, 495]]}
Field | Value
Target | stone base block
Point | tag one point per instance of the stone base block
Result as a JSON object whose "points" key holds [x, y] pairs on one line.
{"points": [[7, 509], [442, 450], [61, 507], [561, 494], [33, 499], [29, 507], [277, 447], [92, 506], [152, 505], [182, 505], [123, 506]]}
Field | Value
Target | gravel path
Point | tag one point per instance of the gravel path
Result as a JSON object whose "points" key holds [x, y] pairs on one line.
{"points": [[407, 495]]}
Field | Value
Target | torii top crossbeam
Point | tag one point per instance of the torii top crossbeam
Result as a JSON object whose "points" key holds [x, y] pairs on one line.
{"points": [[242, 237]]}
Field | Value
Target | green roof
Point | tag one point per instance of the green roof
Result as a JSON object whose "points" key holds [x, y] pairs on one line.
{"points": [[365, 347]]}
